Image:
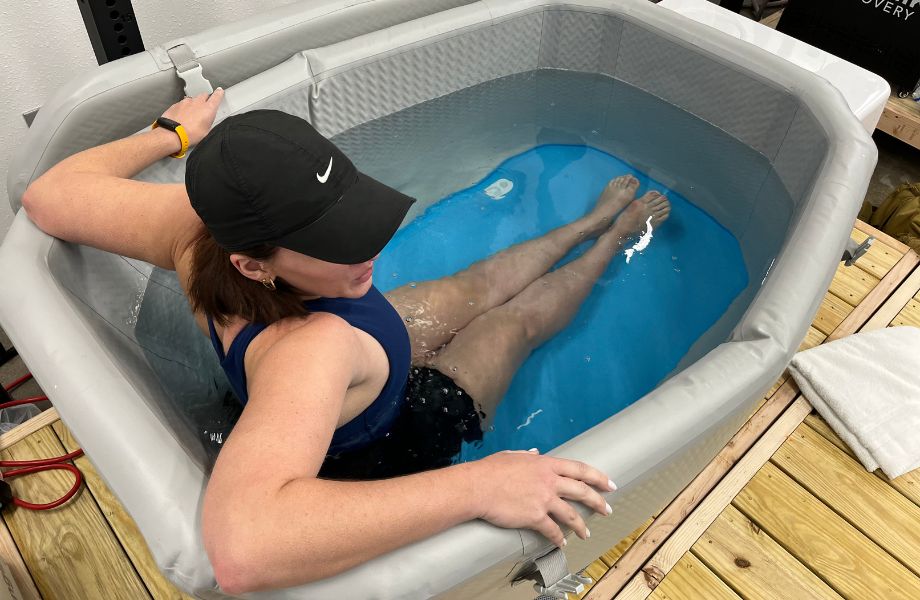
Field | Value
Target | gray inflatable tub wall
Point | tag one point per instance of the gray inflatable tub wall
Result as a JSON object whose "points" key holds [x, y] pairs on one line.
{"points": [[74, 314]]}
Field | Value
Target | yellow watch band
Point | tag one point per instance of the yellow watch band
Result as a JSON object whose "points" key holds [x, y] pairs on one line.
{"points": [[183, 139]]}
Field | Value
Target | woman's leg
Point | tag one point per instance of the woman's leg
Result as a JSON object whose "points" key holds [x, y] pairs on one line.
{"points": [[484, 356], [434, 311]]}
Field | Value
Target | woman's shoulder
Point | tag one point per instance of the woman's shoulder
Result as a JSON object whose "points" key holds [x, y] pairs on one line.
{"points": [[318, 334]]}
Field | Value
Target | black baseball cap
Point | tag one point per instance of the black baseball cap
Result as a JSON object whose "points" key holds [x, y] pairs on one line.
{"points": [[268, 177]]}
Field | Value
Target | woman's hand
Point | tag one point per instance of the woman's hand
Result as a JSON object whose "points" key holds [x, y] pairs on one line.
{"points": [[525, 490], [196, 114]]}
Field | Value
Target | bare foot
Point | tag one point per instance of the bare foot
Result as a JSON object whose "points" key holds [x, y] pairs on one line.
{"points": [[618, 193], [632, 221]]}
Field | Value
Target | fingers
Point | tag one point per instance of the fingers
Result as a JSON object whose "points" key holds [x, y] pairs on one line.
{"points": [[580, 491], [215, 98], [550, 530], [574, 469], [565, 514]]}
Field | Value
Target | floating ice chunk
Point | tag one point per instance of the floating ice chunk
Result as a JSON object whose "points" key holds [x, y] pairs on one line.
{"points": [[499, 189], [643, 242]]}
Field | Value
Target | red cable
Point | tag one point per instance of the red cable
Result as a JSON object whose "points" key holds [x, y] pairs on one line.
{"points": [[49, 464], [18, 382], [41, 464]]}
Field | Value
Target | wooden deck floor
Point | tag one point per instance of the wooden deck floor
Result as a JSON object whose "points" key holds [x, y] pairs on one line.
{"points": [[796, 516]]}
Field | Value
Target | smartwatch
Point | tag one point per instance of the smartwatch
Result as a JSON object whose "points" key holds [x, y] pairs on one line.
{"points": [[178, 129]]}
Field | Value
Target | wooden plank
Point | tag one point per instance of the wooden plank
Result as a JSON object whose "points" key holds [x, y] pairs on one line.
{"points": [[644, 582], [879, 511], [901, 118], [610, 557], [813, 338], [771, 20], [20, 432], [831, 314], [71, 551], [909, 315], [595, 571], [862, 230], [752, 563], [122, 524], [908, 483], [675, 513], [690, 579], [874, 308], [779, 383], [13, 559], [824, 542], [852, 284]]}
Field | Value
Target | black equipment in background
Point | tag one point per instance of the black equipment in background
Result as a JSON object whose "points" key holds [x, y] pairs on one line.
{"points": [[112, 28], [882, 36]]}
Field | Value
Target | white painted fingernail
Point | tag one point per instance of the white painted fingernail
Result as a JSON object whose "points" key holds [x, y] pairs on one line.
{"points": [[612, 485], [609, 509], [587, 533], [564, 542]]}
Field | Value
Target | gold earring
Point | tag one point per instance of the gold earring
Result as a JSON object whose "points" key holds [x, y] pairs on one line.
{"points": [[269, 284]]}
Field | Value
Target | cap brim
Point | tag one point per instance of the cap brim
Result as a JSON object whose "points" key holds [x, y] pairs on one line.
{"points": [[356, 228]]}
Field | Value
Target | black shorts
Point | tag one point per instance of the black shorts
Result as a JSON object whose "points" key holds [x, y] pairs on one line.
{"points": [[436, 418]]}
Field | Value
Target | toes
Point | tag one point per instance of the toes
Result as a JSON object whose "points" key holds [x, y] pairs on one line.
{"points": [[624, 181], [650, 197]]}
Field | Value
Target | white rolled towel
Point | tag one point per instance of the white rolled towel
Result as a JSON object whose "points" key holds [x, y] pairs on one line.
{"points": [[867, 388]]}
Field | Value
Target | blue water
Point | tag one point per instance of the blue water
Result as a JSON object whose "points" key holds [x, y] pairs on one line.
{"points": [[631, 332]]}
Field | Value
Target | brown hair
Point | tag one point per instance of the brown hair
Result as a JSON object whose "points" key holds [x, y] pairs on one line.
{"points": [[219, 290]]}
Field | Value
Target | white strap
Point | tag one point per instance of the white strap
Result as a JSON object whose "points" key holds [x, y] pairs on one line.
{"points": [[189, 70]]}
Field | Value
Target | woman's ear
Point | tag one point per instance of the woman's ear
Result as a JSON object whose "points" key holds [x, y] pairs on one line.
{"points": [[250, 267]]}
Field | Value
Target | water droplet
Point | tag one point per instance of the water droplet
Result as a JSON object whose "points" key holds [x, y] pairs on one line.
{"points": [[415, 371], [413, 285], [459, 392], [454, 369], [581, 233], [594, 131], [571, 420], [677, 270], [387, 435], [491, 427], [395, 275], [587, 358], [673, 258], [471, 303], [444, 390], [444, 408], [422, 400], [408, 319]]}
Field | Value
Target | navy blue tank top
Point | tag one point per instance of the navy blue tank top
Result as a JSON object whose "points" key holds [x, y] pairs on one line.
{"points": [[372, 314]]}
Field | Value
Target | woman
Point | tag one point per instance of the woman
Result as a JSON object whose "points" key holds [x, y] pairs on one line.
{"points": [[280, 277]]}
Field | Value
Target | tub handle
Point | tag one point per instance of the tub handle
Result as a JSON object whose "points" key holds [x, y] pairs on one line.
{"points": [[854, 250], [554, 581]]}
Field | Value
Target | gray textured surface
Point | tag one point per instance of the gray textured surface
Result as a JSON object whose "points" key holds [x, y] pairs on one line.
{"points": [[580, 41], [748, 108], [802, 151], [367, 92]]}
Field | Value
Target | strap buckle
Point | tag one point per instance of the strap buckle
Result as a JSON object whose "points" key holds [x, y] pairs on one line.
{"points": [[189, 70]]}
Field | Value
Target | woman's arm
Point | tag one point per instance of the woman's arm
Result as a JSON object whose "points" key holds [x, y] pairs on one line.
{"points": [[268, 522], [89, 198]]}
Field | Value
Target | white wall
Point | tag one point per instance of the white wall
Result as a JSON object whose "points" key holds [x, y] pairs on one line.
{"points": [[43, 44]]}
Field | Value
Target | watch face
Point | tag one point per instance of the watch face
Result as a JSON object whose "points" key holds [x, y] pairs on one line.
{"points": [[167, 123]]}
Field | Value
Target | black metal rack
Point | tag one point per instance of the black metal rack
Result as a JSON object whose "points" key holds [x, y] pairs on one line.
{"points": [[112, 28]]}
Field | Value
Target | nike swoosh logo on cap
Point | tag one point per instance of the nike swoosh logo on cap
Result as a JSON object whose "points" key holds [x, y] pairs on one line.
{"points": [[322, 178]]}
